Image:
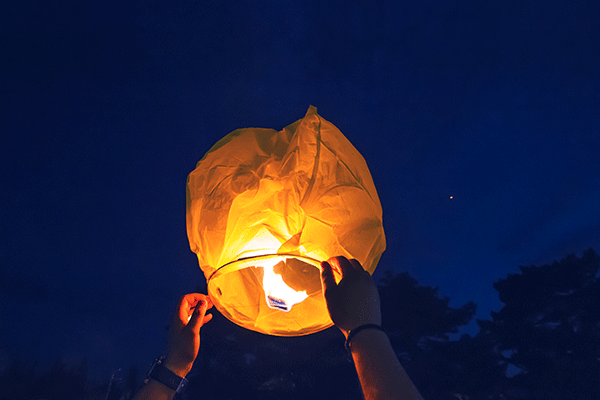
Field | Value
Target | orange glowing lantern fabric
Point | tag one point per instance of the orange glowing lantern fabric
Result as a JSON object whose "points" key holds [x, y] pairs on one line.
{"points": [[265, 207]]}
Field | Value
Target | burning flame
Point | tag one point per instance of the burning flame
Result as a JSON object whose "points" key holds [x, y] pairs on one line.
{"points": [[278, 295]]}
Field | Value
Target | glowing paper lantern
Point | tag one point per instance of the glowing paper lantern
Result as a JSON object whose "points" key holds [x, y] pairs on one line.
{"points": [[265, 207]]}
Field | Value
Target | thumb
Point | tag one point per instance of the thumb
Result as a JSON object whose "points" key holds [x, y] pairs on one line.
{"points": [[327, 279], [198, 316]]}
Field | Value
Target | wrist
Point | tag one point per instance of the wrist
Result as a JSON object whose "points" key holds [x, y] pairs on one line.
{"points": [[353, 335], [180, 369], [347, 330], [162, 377]]}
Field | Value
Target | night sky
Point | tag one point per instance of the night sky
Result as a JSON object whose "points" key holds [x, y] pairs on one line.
{"points": [[480, 122]]}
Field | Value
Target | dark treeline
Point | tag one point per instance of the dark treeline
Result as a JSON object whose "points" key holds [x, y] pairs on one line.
{"points": [[547, 332]]}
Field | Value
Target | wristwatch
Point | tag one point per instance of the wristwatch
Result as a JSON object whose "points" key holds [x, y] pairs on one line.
{"points": [[162, 374]]}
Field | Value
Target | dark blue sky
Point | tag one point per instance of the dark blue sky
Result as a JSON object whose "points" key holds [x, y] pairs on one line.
{"points": [[105, 108]]}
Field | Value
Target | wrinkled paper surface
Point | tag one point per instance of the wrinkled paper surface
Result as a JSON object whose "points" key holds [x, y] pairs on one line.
{"points": [[304, 190]]}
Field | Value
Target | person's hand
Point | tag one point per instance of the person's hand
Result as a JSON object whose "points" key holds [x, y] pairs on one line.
{"points": [[354, 301], [184, 333]]}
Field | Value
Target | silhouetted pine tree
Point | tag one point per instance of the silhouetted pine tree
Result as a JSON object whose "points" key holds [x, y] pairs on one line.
{"points": [[549, 327], [419, 323]]}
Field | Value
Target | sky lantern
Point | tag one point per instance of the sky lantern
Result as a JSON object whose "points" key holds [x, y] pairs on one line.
{"points": [[265, 207]]}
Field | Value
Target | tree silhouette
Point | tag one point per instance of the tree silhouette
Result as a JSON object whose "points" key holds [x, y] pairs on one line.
{"points": [[470, 368], [549, 327], [419, 323]]}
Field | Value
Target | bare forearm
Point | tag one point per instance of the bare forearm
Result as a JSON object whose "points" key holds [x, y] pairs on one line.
{"points": [[154, 391], [380, 373]]}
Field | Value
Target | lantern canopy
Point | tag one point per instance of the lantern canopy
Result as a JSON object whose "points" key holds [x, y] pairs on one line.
{"points": [[265, 207]]}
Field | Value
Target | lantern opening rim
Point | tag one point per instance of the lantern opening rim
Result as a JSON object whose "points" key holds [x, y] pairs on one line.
{"points": [[308, 260]]}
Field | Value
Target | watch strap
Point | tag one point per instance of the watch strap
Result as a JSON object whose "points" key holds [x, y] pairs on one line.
{"points": [[162, 374]]}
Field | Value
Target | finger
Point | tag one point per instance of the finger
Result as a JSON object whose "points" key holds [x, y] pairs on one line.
{"points": [[202, 299], [356, 265], [327, 280], [198, 317], [209, 302], [207, 318], [343, 264], [186, 307], [193, 298], [182, 315]]}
